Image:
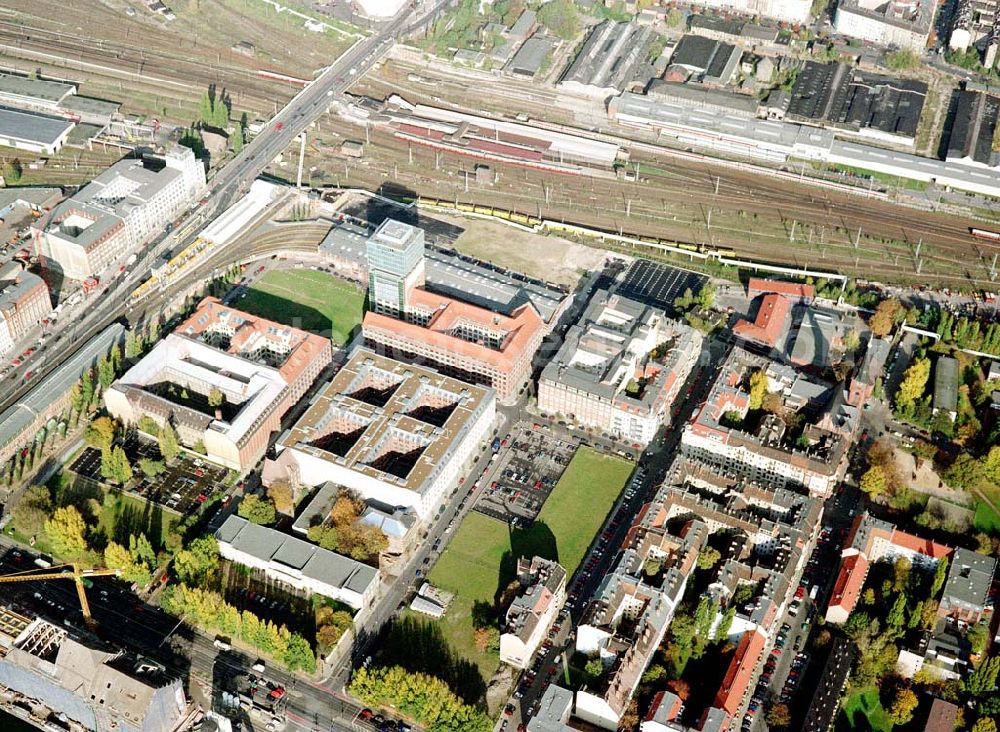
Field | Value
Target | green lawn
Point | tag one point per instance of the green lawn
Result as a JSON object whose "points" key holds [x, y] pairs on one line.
{"points": [[481, 558], [864, 711], [304, 298], [122, 515], [986, 519]]}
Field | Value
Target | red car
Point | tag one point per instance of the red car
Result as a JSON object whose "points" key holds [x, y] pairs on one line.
{"points": [[199, 472], [365, 714], [16, 362], [29, 375], [201, 498], [279, 125]]}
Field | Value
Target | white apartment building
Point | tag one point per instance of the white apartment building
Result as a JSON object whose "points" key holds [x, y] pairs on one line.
{"points": [[24, 302], [900, 23], [118, 212], [529, 617], [789, 11], [620, 368]]}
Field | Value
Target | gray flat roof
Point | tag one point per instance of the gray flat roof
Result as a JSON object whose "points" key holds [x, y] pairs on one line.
{"points": [[946, 384], [30, 196], [22, 86], [17, 124], [314, 562], [530, 56], [49, 390], [90, 105], [969, 578]]}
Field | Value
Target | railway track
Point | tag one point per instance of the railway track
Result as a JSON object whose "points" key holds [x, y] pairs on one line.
{"points": [[166, 74], [752, 214]]}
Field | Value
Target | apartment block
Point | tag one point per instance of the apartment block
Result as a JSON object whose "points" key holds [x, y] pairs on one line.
{"points": [[620, 368], [627, 620], [965, 596], [766, 450], [24, 303], [118, 212], [531, 614], [224, 379]]}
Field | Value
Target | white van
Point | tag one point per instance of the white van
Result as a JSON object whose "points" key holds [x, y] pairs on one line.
{"points": [[222, 644]]}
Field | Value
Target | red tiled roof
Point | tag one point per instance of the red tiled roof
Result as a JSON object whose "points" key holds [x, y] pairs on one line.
{"points": [[523, 328], [758, 285], [304, 346], [740, 672], [850, 580], [920, 545], [769, 323]]}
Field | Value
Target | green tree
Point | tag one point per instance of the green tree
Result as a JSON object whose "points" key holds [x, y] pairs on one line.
{"points": [[257, 510], [239, 137], [708, 557], [706, 296], [13, 171], [66, 532], [197, 564], [87, 388], [983, 680], [851, 340], [940, 575], [561, 18], [168, 443], [105, 373], [133, 345], [101, 433], [873, 481], [425, 698], [903, 705], [76, 400], [978, 637], [32, 511], [758, 388], [914, 382], [594, 668], [115, 466], [215, 397], [151, 468], [119, 558], [142, 550]]}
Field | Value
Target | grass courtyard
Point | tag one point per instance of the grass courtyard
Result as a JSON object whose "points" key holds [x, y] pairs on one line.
{"points": [[305, 298], [863, 711], [481, 559]]}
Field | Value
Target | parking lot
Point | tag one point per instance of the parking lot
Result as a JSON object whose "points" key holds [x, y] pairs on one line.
{"points": [[182, 487], [658, 284], [529, 465]]}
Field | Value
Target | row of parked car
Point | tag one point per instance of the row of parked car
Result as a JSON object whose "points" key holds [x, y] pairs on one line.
{"points": [[382, 723]]}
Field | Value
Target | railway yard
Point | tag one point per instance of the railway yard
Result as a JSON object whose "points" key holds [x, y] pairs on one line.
{"points": [[160, 68], [684, 198]]}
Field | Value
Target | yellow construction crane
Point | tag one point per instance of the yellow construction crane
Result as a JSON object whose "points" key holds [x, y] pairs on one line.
{"points": [[69, 571]]}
